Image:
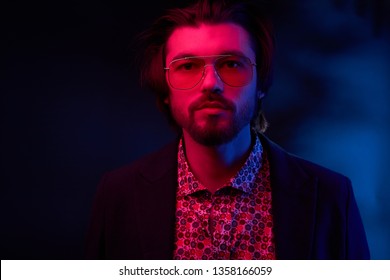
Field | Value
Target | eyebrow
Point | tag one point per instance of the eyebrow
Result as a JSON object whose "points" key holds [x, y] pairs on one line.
{"points": [[227, 52]]}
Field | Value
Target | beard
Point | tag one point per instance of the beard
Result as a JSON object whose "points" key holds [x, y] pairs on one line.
{"points": [[213, 134], [215, 130]]}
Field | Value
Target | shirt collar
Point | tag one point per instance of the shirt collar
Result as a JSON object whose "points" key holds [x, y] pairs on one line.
{"points": [[244, 180]]}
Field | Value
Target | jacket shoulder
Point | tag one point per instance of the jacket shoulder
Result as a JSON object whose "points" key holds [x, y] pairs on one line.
{"points": [[286, 164], [150, 166], [323, 172]]}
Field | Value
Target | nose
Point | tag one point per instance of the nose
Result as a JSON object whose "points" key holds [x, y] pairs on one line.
{"points": [[211, 82]]}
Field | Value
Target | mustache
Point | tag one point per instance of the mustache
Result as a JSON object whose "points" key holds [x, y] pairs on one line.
{"points": [[215, 101]]}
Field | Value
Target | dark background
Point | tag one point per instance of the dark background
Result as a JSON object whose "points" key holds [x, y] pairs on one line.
{"points": [[71, 109]]}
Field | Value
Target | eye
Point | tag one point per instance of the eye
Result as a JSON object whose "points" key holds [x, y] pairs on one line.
{"points": [[187, 65], [231, 63]]}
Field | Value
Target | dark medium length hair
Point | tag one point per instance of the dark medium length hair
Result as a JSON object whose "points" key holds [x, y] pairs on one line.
{"points": [[249, 15]]}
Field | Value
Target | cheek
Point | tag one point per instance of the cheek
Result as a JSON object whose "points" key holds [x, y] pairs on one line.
{"points": [[178, 101], [246, 96], [247, 103]]}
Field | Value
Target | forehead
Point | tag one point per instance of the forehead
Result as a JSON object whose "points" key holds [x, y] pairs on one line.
{"points": [[208, 39]]}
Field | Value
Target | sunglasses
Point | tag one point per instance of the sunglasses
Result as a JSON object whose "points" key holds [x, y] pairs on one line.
{"points": [[234, 70]]}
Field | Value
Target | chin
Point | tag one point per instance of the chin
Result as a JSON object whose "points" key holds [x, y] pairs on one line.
{"points": [[212, 135]]}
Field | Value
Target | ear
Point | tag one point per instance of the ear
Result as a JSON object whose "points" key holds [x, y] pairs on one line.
{"points": [[260, 94]]}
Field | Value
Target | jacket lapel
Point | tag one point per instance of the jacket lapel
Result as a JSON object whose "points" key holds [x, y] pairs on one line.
{"points": [[294, 195], [156, 203]]}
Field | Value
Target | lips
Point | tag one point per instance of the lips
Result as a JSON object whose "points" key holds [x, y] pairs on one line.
{"points": [[212, 105]]}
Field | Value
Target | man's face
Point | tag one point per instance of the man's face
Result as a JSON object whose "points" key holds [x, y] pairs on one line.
{"points": [[211, 112]]}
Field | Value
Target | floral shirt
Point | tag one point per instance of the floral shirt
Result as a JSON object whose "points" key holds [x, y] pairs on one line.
{"points": [[235, 222]]}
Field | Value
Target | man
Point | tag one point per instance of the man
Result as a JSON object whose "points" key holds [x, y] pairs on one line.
{"points": [[222, 190]]}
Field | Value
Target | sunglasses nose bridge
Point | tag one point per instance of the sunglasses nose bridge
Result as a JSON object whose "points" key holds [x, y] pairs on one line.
{"points": [[209, 64], [214, 69]]}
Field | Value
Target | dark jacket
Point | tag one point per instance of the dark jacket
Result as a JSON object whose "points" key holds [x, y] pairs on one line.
{"points": [[315, 212]]}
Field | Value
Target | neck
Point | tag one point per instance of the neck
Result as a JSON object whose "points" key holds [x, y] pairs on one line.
{"points": [[213, 166]]}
